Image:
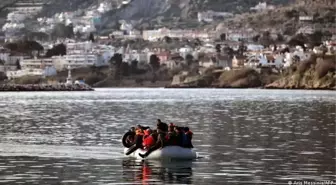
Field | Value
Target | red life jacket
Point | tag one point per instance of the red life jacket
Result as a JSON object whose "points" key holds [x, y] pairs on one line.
{"points": [[148, 142]]}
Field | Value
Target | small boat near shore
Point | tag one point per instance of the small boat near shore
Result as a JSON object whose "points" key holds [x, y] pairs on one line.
{"points": [[168, 152]]}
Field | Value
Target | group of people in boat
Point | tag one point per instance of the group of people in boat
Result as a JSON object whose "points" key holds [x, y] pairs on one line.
{"points": [[164, 135]]}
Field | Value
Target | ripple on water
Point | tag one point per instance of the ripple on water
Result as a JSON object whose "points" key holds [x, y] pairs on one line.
{"points": [[243, 136]]}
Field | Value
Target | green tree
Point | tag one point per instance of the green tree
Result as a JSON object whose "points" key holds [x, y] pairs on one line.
{"points": [[115, 63], [256, 38], [189, 58], [223, 37], [242, 48], [62, 31], [134, 67], [167, 39], [91, 37], [124, 68], [154, 62], [218, 48], [315, 39], [266, 39], [58, 50], [298, 40], [18, 65], [26, 47]]}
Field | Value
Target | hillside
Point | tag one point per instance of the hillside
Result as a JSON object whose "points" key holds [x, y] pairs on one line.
{"points": [[286, 19], [151, 12], [316, 73]]}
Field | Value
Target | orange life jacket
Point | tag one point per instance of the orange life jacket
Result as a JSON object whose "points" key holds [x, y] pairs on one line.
{"points": [[148, 142]]}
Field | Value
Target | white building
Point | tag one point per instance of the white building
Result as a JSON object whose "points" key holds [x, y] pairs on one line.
{"points": [[48, 71], [29, 10], [204, 16], [74, 61], [238, 36], [207, 48], [171, 64], [12, 60], [290, 58], [4, 55], [276, 61], [254, 47], [134, 55], [36, 63], [153, 35], [185, 51], [209, 16], [16, 17], [12, 27], [263, 6], [79, 47]]}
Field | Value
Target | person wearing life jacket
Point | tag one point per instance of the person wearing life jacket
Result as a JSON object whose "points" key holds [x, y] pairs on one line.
{"points": [[160, 142], [189, 135], [139, 133], [148, 139], [171, 137], [180, 136]]}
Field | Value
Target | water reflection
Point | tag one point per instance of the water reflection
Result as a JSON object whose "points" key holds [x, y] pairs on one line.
{"points": [[149, 172]]}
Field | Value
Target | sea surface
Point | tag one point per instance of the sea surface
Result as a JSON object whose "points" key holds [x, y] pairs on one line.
{"points": [[247, 136]]}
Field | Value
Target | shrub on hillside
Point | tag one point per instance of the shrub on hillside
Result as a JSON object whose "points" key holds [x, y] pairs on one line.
{"points": [[323, 66], [240, 78], [24, 46], [2, 76], [303, 66], [28, 80], [94, 78]]}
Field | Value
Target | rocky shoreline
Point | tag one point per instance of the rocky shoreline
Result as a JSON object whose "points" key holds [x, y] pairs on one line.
{"points": [[263, 87], [44, 87]]}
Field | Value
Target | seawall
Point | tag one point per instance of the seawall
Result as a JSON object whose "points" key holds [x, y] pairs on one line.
{"points": [[45, 87]]}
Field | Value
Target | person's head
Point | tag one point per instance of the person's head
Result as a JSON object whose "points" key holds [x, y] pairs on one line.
{"points": [[176, 129], [186, 129], [158, 121], [138, 127], [139, 132], [170, 128], [148, 132]]}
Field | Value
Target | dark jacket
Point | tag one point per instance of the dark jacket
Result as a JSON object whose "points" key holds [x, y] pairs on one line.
{"points": [[162, 126]]}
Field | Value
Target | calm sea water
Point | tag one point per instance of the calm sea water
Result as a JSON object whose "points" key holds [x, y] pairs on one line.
{"points": [[243, 136]]}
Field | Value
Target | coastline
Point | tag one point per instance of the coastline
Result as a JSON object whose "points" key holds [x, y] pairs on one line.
{"points": [[193, 87]]}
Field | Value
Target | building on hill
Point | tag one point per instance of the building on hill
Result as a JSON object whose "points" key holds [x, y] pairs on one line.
{"points": [[316, 2], [263, 6], [29, 7], [74, 61]]}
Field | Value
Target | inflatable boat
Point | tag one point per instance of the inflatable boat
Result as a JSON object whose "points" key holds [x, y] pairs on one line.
{"points": [[168, 152]]}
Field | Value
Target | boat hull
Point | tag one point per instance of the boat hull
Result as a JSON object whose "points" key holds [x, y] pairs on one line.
{"points": [[168, 152]]}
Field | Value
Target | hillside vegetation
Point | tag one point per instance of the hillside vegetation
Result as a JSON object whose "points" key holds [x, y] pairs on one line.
{"points": [[316, 73]]}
